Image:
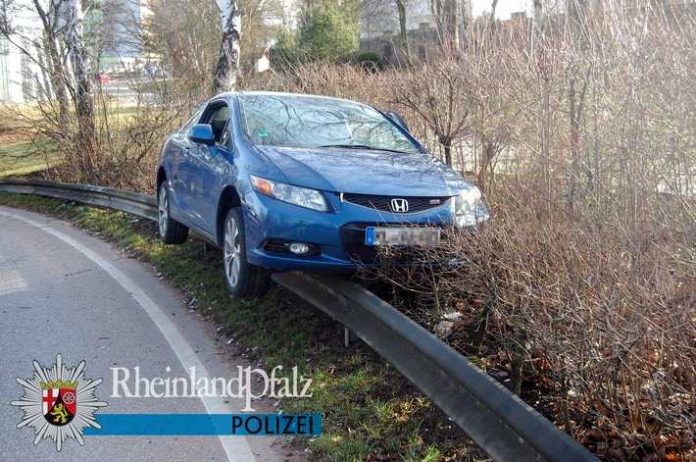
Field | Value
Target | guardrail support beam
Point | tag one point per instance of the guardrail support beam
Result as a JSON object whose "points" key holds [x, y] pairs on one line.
{"points": [[498, 421]]}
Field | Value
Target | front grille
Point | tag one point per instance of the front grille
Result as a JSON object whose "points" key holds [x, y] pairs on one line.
{"points": [[384, 203]]}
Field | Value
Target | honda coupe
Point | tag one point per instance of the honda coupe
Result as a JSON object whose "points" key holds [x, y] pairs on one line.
{"points": [[286, 182]]}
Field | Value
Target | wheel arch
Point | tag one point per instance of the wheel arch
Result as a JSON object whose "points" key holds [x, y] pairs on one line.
{"points": [[161, 177], [229, 198]]}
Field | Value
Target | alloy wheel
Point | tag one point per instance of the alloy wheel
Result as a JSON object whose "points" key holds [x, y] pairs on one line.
{"points": [[232, 251], [163, 207]]}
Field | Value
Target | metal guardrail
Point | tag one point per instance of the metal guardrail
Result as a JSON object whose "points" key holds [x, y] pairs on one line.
{"points": [[138, 204], [497, 420]]}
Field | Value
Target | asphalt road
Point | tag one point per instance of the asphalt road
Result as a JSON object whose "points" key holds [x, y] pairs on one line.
{"points": [[64, 291]]}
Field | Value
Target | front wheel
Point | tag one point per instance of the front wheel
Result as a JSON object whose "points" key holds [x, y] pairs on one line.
{"points": [[241, 278], [171, 231]]}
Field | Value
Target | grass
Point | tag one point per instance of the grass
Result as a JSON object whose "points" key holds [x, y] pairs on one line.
{"points": [[25, 157], [370, 411], [21, 153]]}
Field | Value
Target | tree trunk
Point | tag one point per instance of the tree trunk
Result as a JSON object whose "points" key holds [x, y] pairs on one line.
{"points": [[455, 19], [447, 15], [494, 5], [438, 11], [545, 136], [574, 139], [57, 75], [403, 33], [79, 60], [227, 69], [576, 13], [537, 16], [447, 145], [488, 153], [85, 143], [54, 66]]}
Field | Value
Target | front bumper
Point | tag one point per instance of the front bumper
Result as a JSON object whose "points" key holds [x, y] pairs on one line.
{"points": [[338, 235]]}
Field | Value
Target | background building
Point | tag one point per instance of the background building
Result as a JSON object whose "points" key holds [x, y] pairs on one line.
{"points": [[116, 34], [428, 22], [21, 77]]}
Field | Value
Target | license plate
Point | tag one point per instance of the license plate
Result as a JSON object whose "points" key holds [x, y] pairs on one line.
{"points": [[427, 237]]}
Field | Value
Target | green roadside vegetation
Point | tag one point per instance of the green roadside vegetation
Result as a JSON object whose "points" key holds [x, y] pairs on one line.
{"points": [[370, 411], [24, 152], [19, 154], [26, 157]]}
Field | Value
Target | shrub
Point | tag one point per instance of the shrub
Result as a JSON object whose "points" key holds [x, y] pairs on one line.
{"points": [[328, 31]]}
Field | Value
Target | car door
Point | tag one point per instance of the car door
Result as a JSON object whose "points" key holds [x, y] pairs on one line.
{"points": [[179, 166], [211, 166]]}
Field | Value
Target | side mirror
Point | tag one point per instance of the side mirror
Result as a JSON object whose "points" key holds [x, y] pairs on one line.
{"points": [[202, 133], [396, 117]]}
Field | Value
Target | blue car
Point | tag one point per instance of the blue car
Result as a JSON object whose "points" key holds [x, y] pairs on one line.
{"points": [[296, 182]]}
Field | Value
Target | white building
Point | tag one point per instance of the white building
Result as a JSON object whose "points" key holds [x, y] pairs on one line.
{"points": [[21, 78]]}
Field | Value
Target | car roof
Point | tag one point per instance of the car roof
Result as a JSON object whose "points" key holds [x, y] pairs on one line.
{"points": [[231, 94]]}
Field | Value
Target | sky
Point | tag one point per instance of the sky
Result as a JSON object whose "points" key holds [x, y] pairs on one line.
{"points": [[504, 8]]}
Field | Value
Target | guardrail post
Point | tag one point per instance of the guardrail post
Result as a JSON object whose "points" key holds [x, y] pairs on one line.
{"points": [[349, 337]]}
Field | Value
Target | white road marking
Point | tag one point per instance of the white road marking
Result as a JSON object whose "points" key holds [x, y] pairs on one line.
{"points": [[236, 448]]}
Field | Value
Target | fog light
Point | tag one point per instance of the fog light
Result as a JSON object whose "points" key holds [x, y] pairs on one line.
{"points": [[299, 248]]}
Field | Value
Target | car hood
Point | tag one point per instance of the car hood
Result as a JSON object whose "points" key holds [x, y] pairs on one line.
{"points": [[365, 171]]}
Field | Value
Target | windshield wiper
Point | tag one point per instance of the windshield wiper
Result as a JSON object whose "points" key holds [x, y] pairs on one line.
{"points": [[361, 146]]}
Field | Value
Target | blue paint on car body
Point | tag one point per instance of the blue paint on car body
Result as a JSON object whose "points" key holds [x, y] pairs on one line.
{"points": [[307, 169]]}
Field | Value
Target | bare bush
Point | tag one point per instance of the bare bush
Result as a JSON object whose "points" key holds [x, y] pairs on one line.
{"points": [[580, 294]]}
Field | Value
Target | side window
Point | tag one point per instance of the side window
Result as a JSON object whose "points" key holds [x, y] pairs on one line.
{"points": [[218, 118]]}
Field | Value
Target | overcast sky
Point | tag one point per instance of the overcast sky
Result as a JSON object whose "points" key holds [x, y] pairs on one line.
{"points": [[504, 8]]}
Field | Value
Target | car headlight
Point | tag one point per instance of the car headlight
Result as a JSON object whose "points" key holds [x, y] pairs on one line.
{"points": [[303, 197], [468, 208]]}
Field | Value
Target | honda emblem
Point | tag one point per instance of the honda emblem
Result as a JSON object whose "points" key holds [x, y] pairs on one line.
{"points": [[399, 205]]}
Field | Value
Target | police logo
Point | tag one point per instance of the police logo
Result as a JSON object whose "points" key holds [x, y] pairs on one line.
{"points": [[65, 399], [59, 405]]}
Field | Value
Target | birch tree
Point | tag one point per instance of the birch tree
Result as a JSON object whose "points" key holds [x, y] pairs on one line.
{"points": [[79, 60], [227, 69], [50, 23]]}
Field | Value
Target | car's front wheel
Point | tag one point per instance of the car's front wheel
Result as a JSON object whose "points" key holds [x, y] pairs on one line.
{"points": [[170, 230], [241, 278]]}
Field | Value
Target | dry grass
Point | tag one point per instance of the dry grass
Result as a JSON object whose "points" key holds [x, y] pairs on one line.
{"points": [[581, 295], [591, 323]]}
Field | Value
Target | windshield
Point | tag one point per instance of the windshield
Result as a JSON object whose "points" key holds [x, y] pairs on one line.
{"points": [[308, 122]]}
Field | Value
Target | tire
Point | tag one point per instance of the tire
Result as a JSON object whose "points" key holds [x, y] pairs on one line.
{"points": [[242, 279], [170, 230]]}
